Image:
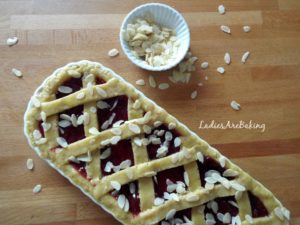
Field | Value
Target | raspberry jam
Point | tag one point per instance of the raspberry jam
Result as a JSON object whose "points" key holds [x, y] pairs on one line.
{"points": [[152, 148], [258, 208], [224, 205], [118, 109]]}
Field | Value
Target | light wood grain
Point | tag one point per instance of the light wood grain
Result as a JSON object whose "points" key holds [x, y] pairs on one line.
{"points": [[54, 32]]}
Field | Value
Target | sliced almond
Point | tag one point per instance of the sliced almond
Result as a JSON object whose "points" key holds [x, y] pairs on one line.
{"points": [[194, 94], [113, 52], [221, 9], [236, 106], [37, 189], [29, 164], [140, 82], [245, 57], [246, 29], [152, 81], [227, 58], [12, 41], [16, 72], [163, 86], [225, 29]]}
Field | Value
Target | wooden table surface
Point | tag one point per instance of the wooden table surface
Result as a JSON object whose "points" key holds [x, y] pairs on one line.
{"points": [[54, 32]]}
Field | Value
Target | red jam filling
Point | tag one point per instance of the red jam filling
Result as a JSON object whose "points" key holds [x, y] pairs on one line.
{"points": [[133, 197], [119, 153], [152, 148], [118, 105], [74, 83], [209, 164], [258, 208], [80, 167], [182, 215], [41, 129], [160, 182], [225, 205], [71, 133]]}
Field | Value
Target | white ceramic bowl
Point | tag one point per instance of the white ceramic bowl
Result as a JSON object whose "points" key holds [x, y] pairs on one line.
{"points": [[163, 15]]}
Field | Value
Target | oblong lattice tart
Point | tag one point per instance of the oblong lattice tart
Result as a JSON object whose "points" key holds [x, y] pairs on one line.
{"points": [[134, 159]]}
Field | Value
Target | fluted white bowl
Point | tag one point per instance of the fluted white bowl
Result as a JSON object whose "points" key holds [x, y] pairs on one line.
{"points": [[163, 15]]}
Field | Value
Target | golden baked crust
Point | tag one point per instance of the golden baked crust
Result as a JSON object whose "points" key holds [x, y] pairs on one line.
{"points": [[141, 111]]}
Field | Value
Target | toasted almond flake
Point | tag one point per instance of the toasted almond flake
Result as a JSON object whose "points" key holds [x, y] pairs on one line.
{"points": [[221, 70], [108, 167], [170, 214], [245, 56], [204, 65], [177, 142], [121, 201], [36, 103], [102, 105], [163, 86], [137, 141], [116, 131], [126, 207], [80, 95], [80, 120], [37, 188], [246, 29], [90, 89], [101, 92], [209, 186], [29, 164], [86, 118], [147, 116], [210, 222], [147, 129], [235, 185], [105, 154], [113, 52], [221, 9], [93, 109], [65, 89], [115, 185], [85, 157], [74, 73], [46, 126], [278, 212], [186, 178], [174, 196], [132, 188], [74, 120], [249, 218], [134, 128], [222, 161], [115, 139], [230, 173], [89, 78], [158, 201], [137, 104], [94, 131], [36, 135], [64, 123], [41, 141], [286, 213], [12, 41], [191, 197], [43, 116], [236, 106], [214, 207], [200, 157], [16, 72], [62, 142], [225, 29], [227, 58], [140, 82], [152, 81], [194, 94], [227, 218], [157, 123], [171, 126]]}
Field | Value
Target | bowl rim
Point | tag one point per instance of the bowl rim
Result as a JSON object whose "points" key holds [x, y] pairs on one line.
{"points": [[145, 66]]}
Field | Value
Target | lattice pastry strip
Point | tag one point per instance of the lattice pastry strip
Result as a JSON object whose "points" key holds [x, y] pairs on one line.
{"points": [[134, 159]]}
